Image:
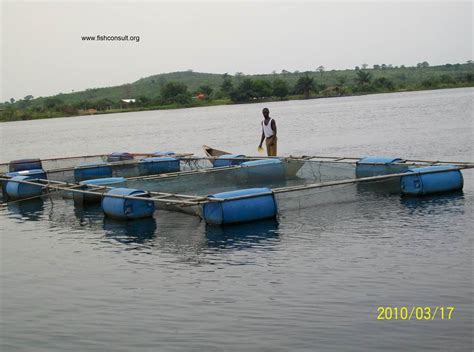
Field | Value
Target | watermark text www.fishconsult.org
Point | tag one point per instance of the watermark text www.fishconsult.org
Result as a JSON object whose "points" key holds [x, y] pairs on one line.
{"points": [[110, 38]]}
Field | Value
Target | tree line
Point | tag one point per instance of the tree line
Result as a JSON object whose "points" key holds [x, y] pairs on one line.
{"points": [[240, 88]]}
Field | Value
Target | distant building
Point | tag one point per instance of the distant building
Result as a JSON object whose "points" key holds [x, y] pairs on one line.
{"points": [[128, 101]]}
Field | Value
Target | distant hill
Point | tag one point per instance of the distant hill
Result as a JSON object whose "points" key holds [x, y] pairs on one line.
{"points": [[149, 87]]}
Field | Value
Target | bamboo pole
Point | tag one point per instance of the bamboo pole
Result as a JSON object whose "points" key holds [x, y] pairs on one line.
{"points": [[162, 196]]}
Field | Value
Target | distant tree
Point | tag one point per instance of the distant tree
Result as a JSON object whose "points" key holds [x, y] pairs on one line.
{"points": [[363, 77], [142, 100], [244, 91], [364, 66], [206, 90], [296, 72], [384, 83], [470, 62], [384, 67], [357, 68], [284, 72], [468, 77], [305, 85], [274, 72], [238, 76], [423, 64], [341, 80], [402, 66], [280, 88], [28, 97], [429, 83], [376, 67], [226, 86], [12, 100], [447, 79], [127, 91], [320, 69], [262, 88], [101, 104], [52, 103], [174, 92]]}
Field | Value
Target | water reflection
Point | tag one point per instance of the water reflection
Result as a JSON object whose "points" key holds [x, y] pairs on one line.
{"points": [[447, 202], [29, 209], [241, 236], [132, 231], [89, 215]]}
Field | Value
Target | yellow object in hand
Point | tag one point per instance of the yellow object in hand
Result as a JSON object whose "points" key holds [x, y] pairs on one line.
{"points": [[261, 151]]}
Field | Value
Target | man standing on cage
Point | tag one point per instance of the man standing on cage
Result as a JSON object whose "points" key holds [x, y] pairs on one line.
{"points": [[269, 133]]}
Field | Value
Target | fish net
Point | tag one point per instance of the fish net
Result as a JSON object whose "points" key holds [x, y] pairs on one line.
{"points": [[209, 181]]}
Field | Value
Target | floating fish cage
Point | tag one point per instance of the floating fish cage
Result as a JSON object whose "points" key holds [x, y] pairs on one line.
{"points": [[117, 164], [231, 189]]}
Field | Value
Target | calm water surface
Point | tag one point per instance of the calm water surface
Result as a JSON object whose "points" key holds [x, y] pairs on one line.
{"points": [[72, 280]]}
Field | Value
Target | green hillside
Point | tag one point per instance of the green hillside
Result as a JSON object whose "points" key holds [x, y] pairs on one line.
{"points": [[178, 89]]}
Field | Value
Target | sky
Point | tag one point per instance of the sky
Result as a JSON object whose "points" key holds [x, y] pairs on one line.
{"points": [[42, 51]]}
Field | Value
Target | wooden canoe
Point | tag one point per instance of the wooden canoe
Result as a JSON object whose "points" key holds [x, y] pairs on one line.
{"points": [[212, 152], [291, 166]]}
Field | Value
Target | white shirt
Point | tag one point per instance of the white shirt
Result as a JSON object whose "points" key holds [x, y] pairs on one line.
{"points": [[267, 129]]}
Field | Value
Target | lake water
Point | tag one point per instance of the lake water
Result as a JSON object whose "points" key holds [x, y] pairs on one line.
{"points": [[72, 280]]}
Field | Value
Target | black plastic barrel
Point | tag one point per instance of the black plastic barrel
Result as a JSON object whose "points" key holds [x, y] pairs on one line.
{"points": [[24, 164], [119, 156]]}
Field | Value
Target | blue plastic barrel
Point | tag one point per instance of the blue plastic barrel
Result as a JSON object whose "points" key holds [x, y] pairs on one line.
{"points": [[88, 171], [34, 174], [265, 168], [379, 165], [24, 164], [126, 209], [83, 198], [158, 165], [119, 156], [17, 190], [229, 160], [260, 206], [449, 178]]}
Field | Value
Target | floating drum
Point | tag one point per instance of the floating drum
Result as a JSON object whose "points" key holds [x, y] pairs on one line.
{"points": [[229, 160], [24, 164], [158, 165], [266, 168], [119, 156], [17, 190], [34, 174], [90, 171], [126, 209], [417, 182], [84, 198], [258, 204], [379, 165]]}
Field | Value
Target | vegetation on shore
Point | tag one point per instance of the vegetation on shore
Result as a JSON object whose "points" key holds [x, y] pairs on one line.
{"points": [[192, 89]]}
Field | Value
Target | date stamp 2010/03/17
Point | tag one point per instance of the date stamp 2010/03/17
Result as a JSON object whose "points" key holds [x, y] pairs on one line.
{"points": [[415, 313]]}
